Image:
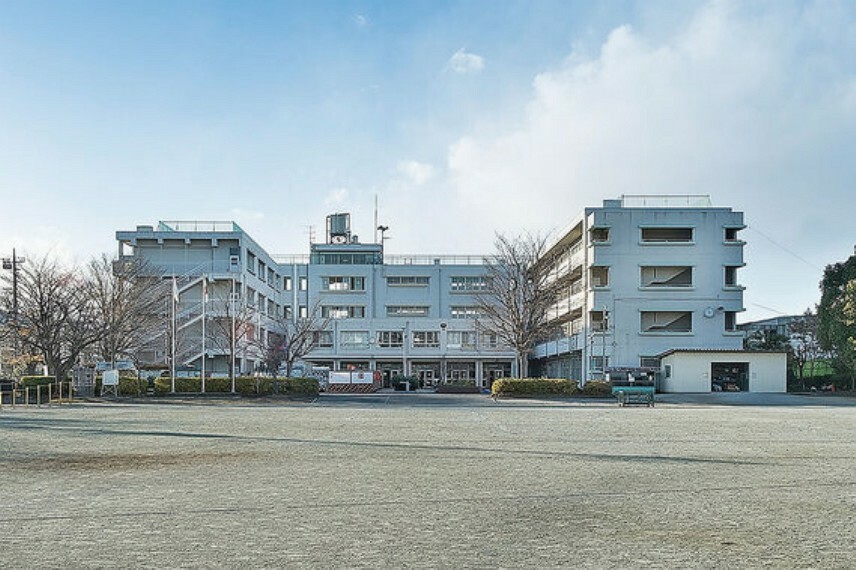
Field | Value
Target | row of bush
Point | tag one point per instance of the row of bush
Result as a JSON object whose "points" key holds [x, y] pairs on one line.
{"points": [[32, 381], [548, 387], [534, 387], [246, 386]]}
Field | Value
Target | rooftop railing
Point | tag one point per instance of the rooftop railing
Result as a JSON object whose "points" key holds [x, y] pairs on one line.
{"points": [[666, 201], [198, 226]]}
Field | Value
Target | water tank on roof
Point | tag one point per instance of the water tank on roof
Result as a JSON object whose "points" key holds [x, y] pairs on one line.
{"points": [[338, 228]]}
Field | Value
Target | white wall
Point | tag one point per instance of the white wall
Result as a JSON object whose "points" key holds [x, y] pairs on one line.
{"points": [[691, 370]]}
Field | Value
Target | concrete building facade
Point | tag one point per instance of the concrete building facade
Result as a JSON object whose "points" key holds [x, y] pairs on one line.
{"points": [[411, 315], [640, 275], [643, 275]]}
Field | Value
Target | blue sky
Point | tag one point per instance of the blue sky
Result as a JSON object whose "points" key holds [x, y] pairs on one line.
{"points": [[464, 118]]}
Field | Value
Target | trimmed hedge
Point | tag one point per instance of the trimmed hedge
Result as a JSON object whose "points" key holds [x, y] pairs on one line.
{"points": [[299, 386], [246, 386], [31, 381], [534, 387], [597, 388], [133, 387]]}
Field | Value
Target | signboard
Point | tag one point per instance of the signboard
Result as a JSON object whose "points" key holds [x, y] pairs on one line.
{"points": [[110, 378], [362, 377]]}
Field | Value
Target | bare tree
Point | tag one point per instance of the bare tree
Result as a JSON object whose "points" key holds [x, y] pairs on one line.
{"points": [[128, 301], [232, 325], [290, 339], [56, 318], [517, 295]]}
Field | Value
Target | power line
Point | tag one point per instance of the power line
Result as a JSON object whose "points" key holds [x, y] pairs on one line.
{"points": [[772, 310], [783, 248]]}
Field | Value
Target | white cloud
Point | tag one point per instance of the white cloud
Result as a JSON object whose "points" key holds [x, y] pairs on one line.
{"points": [[464, 62], [418, 173], [241, 214], [361, 21], [752, 109], [336, 197]]}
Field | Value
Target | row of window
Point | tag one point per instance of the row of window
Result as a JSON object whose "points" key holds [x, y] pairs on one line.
{"points": [[464, 284], [666, 321], [663, 276], [359, 311], [597, 363], [667, 234], [395, 339]]}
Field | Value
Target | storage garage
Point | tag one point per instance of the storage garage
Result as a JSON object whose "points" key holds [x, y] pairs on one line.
{"points": [[710, 370]]}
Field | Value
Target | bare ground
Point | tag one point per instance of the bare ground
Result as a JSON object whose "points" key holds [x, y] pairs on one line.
{"points": [[459, 482]]}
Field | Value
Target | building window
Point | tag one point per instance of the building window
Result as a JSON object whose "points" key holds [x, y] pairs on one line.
{"points": [[343, 312], [489, 340], [600, 276], [469, 284], [461, 339], [426, 339], [407, 281], [251, 263], [731, 234], [599, 235], [287, 283], [407, 311], [666, 276], [666, 322], [288, 312], [340, 283], [466, 312], [731, 275], [346, 258], [730, 321], [649, 362], [667, 235], [354, 339], [599, 320], [390, 339], [303, 312], [598, 363], [303, 283], [323, 339]]}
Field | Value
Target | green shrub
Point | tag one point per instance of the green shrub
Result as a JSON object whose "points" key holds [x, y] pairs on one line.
{"points": [[182, 385], [30, 381], [132, 387], [251, 386], [298, 386], [534, 387], [218, 385], [399, 382], [597, 388]]}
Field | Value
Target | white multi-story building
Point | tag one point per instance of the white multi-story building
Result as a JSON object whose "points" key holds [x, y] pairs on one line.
{"points": [[650, 283], [644, 275], [411, 315]]}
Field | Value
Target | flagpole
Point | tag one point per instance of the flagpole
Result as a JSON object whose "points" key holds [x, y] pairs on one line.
{"points": [[204, 302], [232, 307], [174, 297]]}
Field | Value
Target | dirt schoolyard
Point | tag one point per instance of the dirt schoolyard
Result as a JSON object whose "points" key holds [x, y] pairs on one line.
{"points": [[429, 481]]}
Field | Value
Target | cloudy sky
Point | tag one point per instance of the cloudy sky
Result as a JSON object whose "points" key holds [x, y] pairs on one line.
{"points": [[463, 118]]}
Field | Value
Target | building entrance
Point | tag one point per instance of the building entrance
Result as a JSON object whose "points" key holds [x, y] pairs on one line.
{"points": [[729, 377]]}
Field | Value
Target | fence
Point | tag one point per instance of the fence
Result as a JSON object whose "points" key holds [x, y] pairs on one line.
{"points": [[49, 394]]}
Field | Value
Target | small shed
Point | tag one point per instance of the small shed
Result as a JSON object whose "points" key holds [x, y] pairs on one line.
{"points": [[711, 370]]}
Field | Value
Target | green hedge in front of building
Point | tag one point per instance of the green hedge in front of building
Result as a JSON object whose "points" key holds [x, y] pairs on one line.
{"points": [[597, 388], [534, 387], [246, 386], [32, 381]]}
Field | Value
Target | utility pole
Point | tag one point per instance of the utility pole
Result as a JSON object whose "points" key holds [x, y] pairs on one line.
{"points": [[13, 263]]}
